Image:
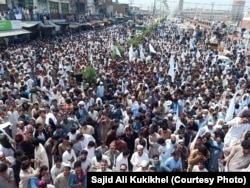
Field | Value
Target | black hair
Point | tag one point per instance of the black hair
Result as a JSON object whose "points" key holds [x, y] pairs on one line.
{"points": [[5, 141], [25, 164], [3, 167], [84, 152], [142, 142], [161, 141], [77, 164], [245, 144], [98, 156], [125, 152], [155, 155], [91, 143], [43, 167], [58, 158], [18, 153], [79, 136], [203, 149], [36, 142]]}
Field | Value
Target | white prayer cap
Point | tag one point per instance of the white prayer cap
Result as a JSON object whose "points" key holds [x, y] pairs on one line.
{"points": [[180, 140], [144, 163], [139, 146], [81, 103], [210, 123], [200, 98], [169, 115], [218, 126], [67, 165], [168, 102]]}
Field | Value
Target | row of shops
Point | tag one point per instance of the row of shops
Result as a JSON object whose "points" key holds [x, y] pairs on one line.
{"points": [[14, 31]]}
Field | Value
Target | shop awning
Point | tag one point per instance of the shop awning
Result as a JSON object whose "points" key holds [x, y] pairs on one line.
{"points": [[13, 32], [85, 24], [74, 26], [30, 24], [60, 22], [46, 25]]}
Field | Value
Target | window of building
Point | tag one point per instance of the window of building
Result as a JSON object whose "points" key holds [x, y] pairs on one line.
{"points": [[25, 3], [54, 7], [65, 8], [41, 1], [80, 8]]}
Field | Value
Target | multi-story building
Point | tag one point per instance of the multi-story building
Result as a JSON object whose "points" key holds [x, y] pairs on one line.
{"points": [[245, 23], [237, 10], [60, 9]]}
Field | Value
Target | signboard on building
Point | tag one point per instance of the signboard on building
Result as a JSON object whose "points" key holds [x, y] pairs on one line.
{"points": [[2, 1], [246, 35], [6, 25]]}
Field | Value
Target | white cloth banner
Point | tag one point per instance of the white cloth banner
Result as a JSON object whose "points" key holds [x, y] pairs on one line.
{"points": [[142, 56], [198, 54], [131, 53], [230, 110], [171, 71], [151, 49], [117, 52]]}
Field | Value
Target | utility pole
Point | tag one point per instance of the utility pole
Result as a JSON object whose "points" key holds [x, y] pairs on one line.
{"points": [[130, 6], [154, 8], [212, 9]]}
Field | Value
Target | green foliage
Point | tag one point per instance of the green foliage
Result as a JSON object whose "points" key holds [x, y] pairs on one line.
{"points": [[90, 75], [120, 48], [137, 40]]}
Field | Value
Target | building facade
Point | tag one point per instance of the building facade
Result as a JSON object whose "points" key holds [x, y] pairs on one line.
{"points": [[237, 10], [61, 9]]}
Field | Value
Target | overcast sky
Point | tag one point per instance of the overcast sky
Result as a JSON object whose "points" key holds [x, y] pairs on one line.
{"points": [[218, 4]]}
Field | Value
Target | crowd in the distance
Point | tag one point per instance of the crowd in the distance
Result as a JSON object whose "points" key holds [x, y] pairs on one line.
{"points": [[168, 105]]}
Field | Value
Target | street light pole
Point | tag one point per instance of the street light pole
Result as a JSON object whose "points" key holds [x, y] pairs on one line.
{"points": [[154, 8]]}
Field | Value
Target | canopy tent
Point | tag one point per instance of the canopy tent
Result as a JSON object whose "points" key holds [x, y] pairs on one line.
{"points": [[74, 25], [13, 32], [30, 24]]}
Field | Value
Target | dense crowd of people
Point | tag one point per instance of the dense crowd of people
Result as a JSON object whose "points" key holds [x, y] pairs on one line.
{"points": [[168, 105]]}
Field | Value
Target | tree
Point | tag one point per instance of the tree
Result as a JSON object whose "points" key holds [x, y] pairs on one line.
{"points": [[90, 75], [120, 48]]}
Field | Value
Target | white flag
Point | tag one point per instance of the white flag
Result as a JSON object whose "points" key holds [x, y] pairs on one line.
{"points": [[151, 49], [171, 71], [230, 110], [117, 52], [91, 58], [198, 54], [179, 123], [3, 126], [131, 53], [183, 56], [207, 57], [191, 45], [142, 56], [191, 147], [111, 45]]}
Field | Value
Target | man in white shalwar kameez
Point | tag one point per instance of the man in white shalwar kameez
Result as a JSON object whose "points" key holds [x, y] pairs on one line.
{"points": [[69, 156], [137, 157], [122, 159], [41, 157], [238, 127]]}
